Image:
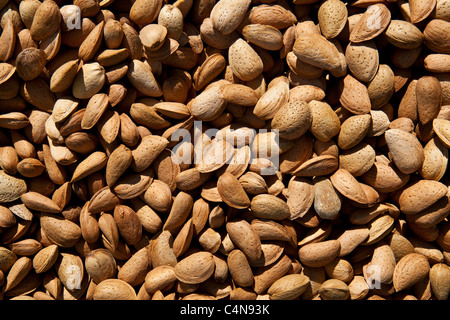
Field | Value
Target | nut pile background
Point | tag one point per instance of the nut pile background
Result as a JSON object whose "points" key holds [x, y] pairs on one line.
{"points": [[93, 207]]}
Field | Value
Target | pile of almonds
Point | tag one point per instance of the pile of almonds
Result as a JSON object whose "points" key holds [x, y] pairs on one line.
{"points": [[347, 103]]}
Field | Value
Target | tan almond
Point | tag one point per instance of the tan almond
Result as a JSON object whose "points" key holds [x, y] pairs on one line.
{"points": [[403, 34], [406, 150], [53, 227], [429, 97], [264, 36], [332, 16], [435, 161], [226, 16], [94, 162], [46, 21], [134, 184], [439, 275], [88, 81], [266, 206], [411, 269], [245, 238], [45, 258], [362, 60], [195, 268], [436, 37], [354, 96], [348, 186], [159, 278], [100, 264], [114, 289], [147, 151], [244, 61], [232, 192], [288, 287], [421, 195], [367, 27], [319, 254]]}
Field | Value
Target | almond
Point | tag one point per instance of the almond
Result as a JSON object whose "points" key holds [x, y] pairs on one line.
{"points": [[30, 62], [354, 130], [227, 15], [442, 129], [239, 268], [245, 238], [46, 21], [100, 265], [406, 150], [274, 15], [439, 275], [325, 122], [147, 151], [300, 196], [316, 50], [244, 61], [317, 166], [354, 96], [420, 10], [371, 24], [319, 254], [53, 226], [421, 195], [114, 289], [232, 192], [264, 36], [292, 120], [403, 34], [429, 97], [332, 16], [45, 258], [159, 278], [266, 206], [381, 87], [88, 81], [435, 160], [195, 268], [141, 76], [411, 269], [362, 60], [348, 186], [288, 287], [327, 202], [436, 37], [94, 162]]}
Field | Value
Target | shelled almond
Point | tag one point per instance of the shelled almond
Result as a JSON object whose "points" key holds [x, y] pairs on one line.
{"points": [[226, 149]]}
